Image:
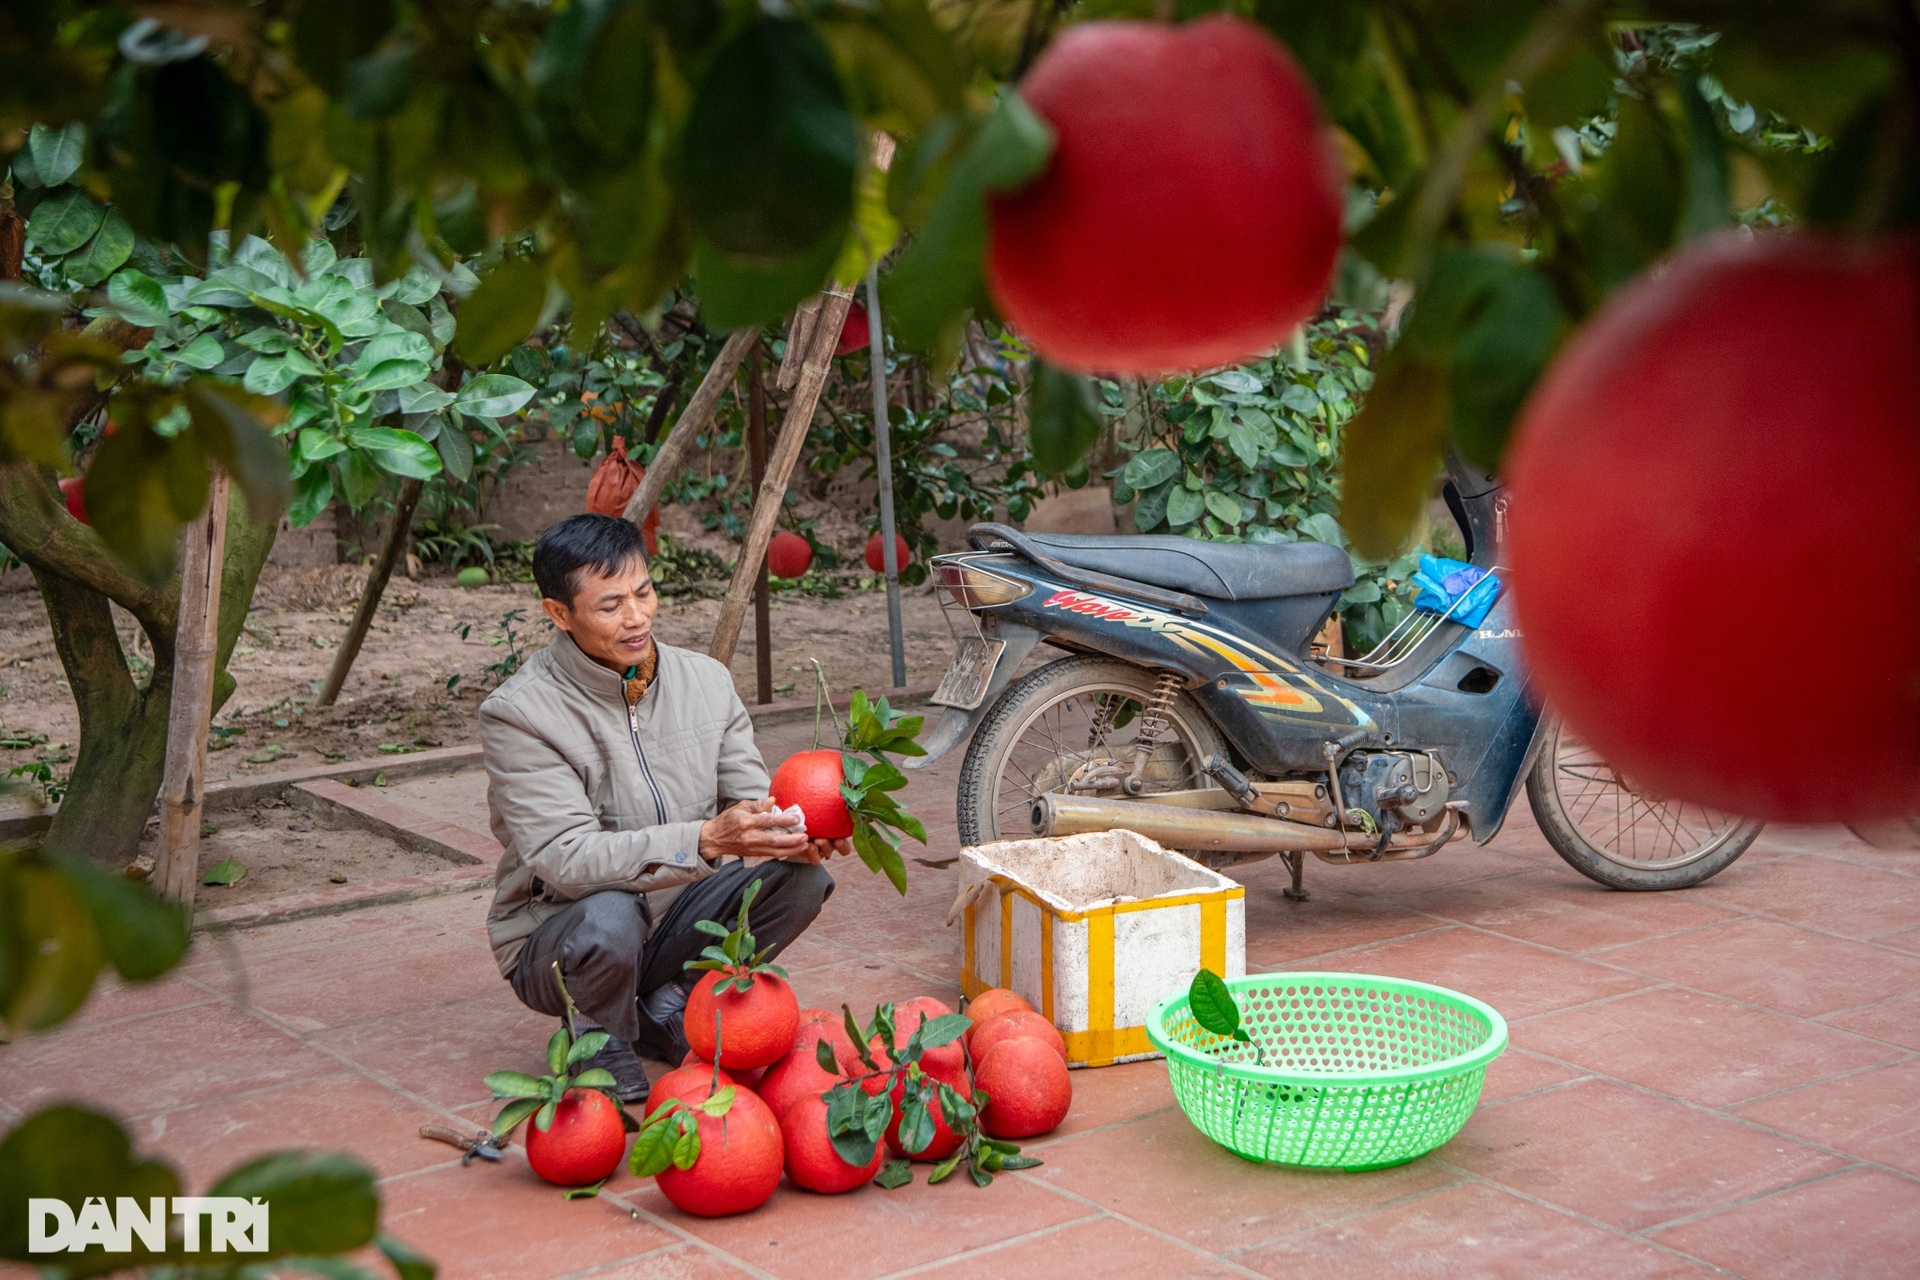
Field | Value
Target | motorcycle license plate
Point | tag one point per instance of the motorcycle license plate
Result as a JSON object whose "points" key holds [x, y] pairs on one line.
{"points": [[965, 684]]}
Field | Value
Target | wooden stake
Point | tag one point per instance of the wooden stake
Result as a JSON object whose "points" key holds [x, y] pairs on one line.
{"points": [[695, 419], [757, 470], [811, 377], [376, 588], [196, 643]]}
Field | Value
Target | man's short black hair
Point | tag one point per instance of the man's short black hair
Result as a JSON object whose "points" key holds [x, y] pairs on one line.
{"points": [[605, 544]]}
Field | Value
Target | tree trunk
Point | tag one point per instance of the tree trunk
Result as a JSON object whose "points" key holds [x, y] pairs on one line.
{"points": [[376, 587], [699, 413]]}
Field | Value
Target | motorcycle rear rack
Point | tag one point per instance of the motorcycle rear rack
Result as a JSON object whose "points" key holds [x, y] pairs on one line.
{"points": [[1400, 643]]}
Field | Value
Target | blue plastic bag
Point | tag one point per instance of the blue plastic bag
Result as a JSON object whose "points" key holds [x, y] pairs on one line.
{"points": [[1445, 584]]}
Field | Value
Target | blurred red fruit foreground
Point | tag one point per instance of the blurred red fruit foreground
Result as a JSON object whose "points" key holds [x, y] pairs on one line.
{"points": [[1190, 215], [1716, 529]]}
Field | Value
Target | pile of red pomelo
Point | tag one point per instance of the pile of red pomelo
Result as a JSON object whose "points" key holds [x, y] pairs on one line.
{"points": [[778, 1118]]}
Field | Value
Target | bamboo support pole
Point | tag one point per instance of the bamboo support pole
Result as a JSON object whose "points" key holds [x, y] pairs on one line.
{"points": [[757, 470], [883, 467], [692, 421], [343, 658], [196, 647], [808, 381]]}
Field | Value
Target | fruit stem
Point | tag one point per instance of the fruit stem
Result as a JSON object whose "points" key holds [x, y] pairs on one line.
{"points": [[567, 996], [823, 695]]}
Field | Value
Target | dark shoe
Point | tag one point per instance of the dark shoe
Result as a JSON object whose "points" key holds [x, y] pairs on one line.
{"points": [[617, 1059], [666, 1043]]}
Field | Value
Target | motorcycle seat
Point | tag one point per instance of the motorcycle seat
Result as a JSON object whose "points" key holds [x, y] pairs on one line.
{"points": [[1214, 570]]}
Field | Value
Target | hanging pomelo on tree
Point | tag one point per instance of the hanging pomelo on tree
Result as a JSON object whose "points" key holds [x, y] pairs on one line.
{"points": [[1724, 444], [854, 331], [789, 555], [1190, 215], [876, 556], [843, 794]]}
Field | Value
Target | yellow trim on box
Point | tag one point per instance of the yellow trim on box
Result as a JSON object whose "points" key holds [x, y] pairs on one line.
{"points": [[1102, 1048], [1008, 886], [1213, 935], [967, 958], [1184, 900], [1046, 965]]}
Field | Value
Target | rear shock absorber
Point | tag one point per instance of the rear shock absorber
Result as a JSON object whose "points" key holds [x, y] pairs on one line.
{"points": [[1155, 719]]}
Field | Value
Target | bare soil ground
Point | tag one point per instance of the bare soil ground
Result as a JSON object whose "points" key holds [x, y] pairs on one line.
{"points": [[433, 653]]}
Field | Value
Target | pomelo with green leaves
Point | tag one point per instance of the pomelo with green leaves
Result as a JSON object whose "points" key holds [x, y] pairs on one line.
{"points": [[742, 1014]]}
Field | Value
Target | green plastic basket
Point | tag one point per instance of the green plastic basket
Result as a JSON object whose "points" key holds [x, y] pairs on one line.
{"points": [[1361, 1072]]}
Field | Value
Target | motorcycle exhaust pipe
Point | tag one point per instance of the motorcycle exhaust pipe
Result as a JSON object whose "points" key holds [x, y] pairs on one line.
{"points": [[1176, 827]]}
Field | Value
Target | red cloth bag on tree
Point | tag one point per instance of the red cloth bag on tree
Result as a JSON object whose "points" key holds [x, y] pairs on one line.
{"points": [[613, 483]]}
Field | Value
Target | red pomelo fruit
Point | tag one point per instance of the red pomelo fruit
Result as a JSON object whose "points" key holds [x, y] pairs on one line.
{"points": [[907, 1017], [945, 1140], [756, 1026], [1008, 1025], [747, 1079], [741, 1155], [994, 1001], [876, 556], [74, 490], [854, 331], [1681, 480], [1028, 1088], [1190, 214], [789, 555], [799, 1073], [679, 1082], [811, 779], [812, 1162], [584, 1143]]}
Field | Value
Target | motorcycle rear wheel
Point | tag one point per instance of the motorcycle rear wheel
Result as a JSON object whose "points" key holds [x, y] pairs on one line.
{"points": [[1611, 831], [1047, 725]]}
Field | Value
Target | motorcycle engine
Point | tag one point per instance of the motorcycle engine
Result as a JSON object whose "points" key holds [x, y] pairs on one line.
{"points": [[1397, 789]]}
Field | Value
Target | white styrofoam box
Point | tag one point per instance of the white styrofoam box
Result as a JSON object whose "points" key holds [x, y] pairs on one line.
{"points": [[1094, 930]]}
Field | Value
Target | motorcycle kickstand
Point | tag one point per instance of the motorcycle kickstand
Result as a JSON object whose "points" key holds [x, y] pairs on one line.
{"points": [[1297, 864]]}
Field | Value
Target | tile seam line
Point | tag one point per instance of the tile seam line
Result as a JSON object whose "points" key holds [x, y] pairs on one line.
{"points": [[644, 1214], [1065, 1140], [1590, 953], [1361, 946], [986, 1250], [1026, 1175], [1686, 1219], [1411, 1197], [601, 1268], [1617, 1232], [1903, 1059], [1753, 1125]]}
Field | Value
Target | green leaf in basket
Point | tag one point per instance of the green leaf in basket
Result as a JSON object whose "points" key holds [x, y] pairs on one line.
{"points": [[1213, 1006]]}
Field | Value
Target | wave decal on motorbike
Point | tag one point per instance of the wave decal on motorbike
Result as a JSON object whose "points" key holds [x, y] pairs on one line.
{"points": [[1266, 673]]}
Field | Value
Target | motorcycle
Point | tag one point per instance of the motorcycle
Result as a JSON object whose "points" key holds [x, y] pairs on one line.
{"points": [[1194, 709]]}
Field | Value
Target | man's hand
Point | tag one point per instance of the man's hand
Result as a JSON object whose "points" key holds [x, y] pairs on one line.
{"points": [[751, 830]]}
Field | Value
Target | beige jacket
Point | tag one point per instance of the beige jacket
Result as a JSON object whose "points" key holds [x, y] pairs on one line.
{"points": [[588, 794]]}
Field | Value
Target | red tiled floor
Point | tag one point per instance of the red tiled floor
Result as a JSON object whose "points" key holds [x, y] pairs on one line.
{"points": [[1112, 1095], [1860, 1225], [1111, 1249], [1823, 893], [1517, 979], [443, 1056], [864, 984], [1699, 1048], [1516, 1071], [1776, 965], [1576, 915], [1871, 1114], [1470, 1230], [157, 1062], [681, 1262], [1282, 932], [1622, 1157], [498, 1222], [1895, 1021], [1907, 940], [345, 1111], [1163, 1172], [111, 998], [871, 1232], [334, 986]]}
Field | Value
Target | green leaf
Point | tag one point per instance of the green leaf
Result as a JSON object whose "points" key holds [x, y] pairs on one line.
{"points": [[64, 221], [225, 871], [737, 293], [720, 1102], [55, 948], [391, 375], [653, 1147], [142, 935], [492, 395], [68, 1153], [1393, 449], [893, 1174], [407, 1264], [141, 487], [769, 149], [424, 397], [543, 1118], [500, 314], [878, 854], [1212, 1004], [319, 1202], [824, 1055], [57, 153], [586, 1046], [916, 1124], [583, 1193], [228, 426], [1064, 415], [514, 1084], [111, 246], [138, 298], [513, 1113], [204, 352], [686, 1147], [1184, 507], [1223, 506], [945, 1029], [594, 1078], [270, 375], [946, 1167], [397, 452]]}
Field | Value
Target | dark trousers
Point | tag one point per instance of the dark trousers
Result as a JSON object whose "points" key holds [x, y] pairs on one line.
{"points": [[610, 963]]}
